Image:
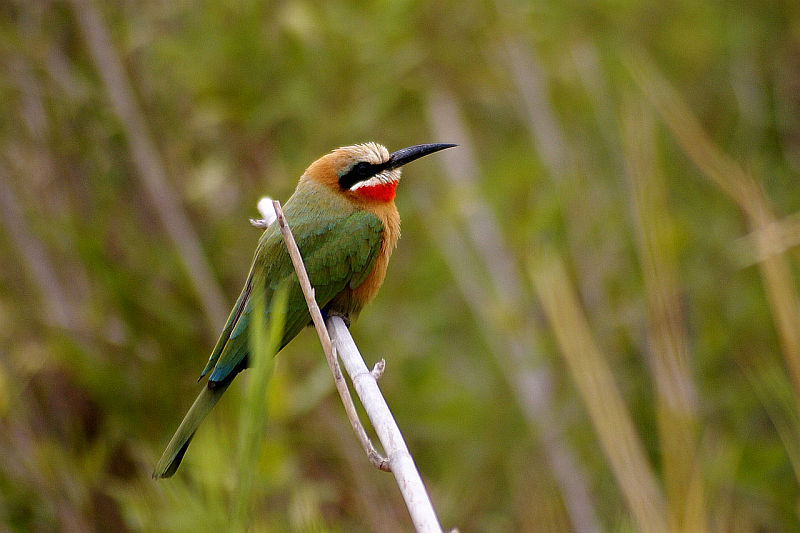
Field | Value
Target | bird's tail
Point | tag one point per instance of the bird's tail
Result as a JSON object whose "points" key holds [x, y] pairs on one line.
{"points": [[171, 458]]}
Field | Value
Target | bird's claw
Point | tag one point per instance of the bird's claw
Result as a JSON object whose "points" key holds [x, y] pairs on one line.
{"points": [[259, 223]]}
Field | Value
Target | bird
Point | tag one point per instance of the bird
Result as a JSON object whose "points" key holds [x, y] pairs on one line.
{"points": [[346, 225]]}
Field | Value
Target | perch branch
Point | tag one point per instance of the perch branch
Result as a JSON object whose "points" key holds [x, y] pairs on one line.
{"points": [[403, 467], [399, 461]]}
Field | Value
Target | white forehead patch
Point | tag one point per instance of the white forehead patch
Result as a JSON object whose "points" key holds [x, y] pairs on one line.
{"points": [[371, 152]]}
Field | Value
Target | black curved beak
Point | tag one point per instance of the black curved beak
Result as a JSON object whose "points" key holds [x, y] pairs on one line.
{"points": [[407, 155]]}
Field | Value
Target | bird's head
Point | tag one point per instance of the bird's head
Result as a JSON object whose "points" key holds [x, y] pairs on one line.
{"points": [[366, 172]]}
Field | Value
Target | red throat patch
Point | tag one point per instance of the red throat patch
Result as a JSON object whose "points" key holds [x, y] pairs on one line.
{"points": [[383, 192]]}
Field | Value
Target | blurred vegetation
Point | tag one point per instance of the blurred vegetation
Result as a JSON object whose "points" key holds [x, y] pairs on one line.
{"points": [[590, 324]]}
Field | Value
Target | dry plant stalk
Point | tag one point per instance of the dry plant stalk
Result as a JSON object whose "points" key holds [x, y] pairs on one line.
{"points": [[59, 311], [734, 181], [758, 245], [399, 460], [147, 161], [668, 344], [499, 305], [595, 383]]}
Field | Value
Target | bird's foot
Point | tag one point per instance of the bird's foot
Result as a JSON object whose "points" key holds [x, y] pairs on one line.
{"points": [[329, 312], [259, 223]]}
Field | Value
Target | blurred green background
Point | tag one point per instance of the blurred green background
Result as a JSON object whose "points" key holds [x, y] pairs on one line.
{"points": [[590, 323]]}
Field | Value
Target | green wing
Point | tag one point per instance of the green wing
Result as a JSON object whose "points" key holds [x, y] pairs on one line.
{"points": [[337, 250]]}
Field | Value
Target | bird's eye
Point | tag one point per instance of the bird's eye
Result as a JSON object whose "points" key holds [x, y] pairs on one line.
{"points": [[362, 169]]}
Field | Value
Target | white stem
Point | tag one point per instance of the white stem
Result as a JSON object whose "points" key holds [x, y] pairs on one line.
{"points": [[402, 464], [336, 340]]}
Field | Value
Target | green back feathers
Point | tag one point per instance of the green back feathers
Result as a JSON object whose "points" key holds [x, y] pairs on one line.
{"points": [[339, 246]]}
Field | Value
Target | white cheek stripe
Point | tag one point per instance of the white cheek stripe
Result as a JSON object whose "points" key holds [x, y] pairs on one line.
{"points": [[377, 179]]}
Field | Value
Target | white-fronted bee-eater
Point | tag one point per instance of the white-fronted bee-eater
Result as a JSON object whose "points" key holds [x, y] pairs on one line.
{"points": [[346, 225]]}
